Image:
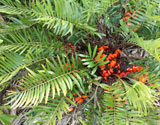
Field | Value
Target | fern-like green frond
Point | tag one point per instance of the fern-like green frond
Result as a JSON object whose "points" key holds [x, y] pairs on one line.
{"points": [[32, 39], [13, 7], [10, 65], [61, 20], [117, 109], [93, 7], [16, 24], [139, 95], [55, 77], [151, 46], [49, 113], [141, 12], [59, 15]]}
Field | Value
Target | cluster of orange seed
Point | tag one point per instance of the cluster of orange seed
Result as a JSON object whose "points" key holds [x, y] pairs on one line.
{"points": [[72, 48], [129, 15], [78, 99], [115, 67], [107, 69]]}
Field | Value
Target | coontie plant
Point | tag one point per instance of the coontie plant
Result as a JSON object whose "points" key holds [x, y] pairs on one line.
{"points": [[71, 61]]}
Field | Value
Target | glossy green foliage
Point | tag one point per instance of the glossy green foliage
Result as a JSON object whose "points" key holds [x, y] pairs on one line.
{"points": [[52, 78]]}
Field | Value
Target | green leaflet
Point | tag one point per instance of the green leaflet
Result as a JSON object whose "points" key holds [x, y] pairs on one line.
{"points": [[39, 85]]}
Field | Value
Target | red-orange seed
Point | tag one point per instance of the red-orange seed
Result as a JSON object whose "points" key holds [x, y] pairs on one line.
{"points": [[125, 101], [115, 95], [105, 90], [71, 65], [111, 70], [125, 18], [12, 89], [77, 99], [118, 51], [69, 98], [74, 75], [80, 101], [71, 109], [84, 96], [109, 107], [139, 68], [112, 63], [80, 92], [74, 94], [143, 78]]}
